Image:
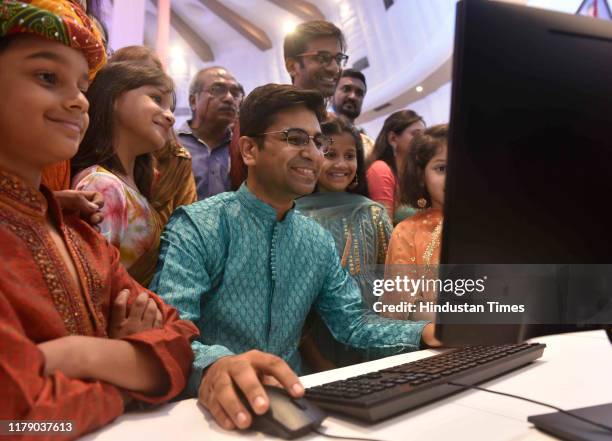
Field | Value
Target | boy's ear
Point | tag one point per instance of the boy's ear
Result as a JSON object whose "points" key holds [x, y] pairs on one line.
{"points": [[249, 150]]}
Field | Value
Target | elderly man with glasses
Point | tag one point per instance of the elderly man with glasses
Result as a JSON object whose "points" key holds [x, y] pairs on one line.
{"points": [[314, 56], [214, 98]]}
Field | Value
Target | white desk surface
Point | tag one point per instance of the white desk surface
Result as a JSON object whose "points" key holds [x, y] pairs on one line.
{"points": [[575, 371]]}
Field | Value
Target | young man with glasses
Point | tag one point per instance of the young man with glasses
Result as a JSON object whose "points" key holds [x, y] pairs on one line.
{"points": [[214, 98], [246, 268], [314, 56]]}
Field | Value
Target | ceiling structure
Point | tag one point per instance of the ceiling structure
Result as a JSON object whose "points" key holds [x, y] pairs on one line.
{"points": [[235, 14], [401, 46], [404, 46]]}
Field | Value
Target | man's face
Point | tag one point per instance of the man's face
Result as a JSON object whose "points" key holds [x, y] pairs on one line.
{"points": [[218, 100], [43, 111], [309, 73], [349, 96], [283, 170]]}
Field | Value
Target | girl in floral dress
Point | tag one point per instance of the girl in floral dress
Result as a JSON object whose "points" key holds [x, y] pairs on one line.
{"points": [[130, 119]]}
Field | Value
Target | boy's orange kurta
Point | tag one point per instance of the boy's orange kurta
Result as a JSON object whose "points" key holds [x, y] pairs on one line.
{"points": [[40, 302], [56, 177]]}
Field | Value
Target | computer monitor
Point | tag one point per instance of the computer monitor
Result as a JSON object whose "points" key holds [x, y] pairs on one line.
{"points": [[529, 176]]}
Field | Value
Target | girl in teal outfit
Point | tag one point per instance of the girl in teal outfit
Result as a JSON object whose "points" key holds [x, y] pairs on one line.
{"points": [[359, 226]]}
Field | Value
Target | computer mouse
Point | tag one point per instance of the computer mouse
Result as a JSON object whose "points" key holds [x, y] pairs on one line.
{"points": [[287, 417]]}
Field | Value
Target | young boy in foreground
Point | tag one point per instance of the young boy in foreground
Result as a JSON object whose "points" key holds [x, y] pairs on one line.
{"points": [[78, 337]]}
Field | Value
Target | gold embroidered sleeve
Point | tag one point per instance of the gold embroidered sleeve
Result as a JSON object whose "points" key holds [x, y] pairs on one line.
{"points": [[383, 229]]}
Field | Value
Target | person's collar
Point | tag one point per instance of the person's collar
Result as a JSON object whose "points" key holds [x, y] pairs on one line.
{"points": [[263, 209], [331, 199], [30, 201], [227, 138], [185, 128]]}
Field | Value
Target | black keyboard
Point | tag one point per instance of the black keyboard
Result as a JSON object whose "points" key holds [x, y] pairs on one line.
{"points": [[382, 394]]}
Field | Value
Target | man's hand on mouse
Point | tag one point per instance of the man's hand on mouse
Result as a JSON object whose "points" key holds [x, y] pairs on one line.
{"points": [[244, 371]]}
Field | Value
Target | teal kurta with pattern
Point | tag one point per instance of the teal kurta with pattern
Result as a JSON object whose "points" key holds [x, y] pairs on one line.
{"points": [[248, 281]]}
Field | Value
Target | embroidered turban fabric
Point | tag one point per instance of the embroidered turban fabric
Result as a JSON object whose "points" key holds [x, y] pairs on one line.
{"points": [[58, 20]]}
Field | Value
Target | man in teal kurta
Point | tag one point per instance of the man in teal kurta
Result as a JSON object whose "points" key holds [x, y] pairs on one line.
{"points": [[246, 268]]}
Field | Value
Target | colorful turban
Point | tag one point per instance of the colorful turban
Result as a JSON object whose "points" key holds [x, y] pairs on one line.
{"points": [[63, 21]]}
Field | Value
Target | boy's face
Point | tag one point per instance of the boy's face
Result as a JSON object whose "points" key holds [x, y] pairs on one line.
{"points": [[43, 109]]}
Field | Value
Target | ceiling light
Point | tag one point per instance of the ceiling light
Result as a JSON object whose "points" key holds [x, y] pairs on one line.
{"points": [[289, 26], [178, 66], [176, 52], [419, 89]]}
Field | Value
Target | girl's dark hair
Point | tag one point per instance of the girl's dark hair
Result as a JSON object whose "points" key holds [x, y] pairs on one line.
{"points": [[97, 147], [422, 148], [338, 124], [397, 122], [142, 54]]}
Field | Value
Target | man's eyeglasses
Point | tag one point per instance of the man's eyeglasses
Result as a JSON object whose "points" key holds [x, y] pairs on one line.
{"points": [[300, 138], [325, 58], [220, 90]]}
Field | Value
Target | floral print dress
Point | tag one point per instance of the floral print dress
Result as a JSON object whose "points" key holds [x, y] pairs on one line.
{"points": [[129, 221]]}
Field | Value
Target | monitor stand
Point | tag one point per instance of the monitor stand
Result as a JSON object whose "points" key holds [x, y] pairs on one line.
{"points": [[568, 428]]}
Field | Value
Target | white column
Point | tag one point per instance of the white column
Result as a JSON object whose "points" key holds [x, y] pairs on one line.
{"points": [[163, 30], [128, 22]]}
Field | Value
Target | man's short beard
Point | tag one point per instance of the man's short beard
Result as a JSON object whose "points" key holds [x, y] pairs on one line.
{"points": [[351, 114]]}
